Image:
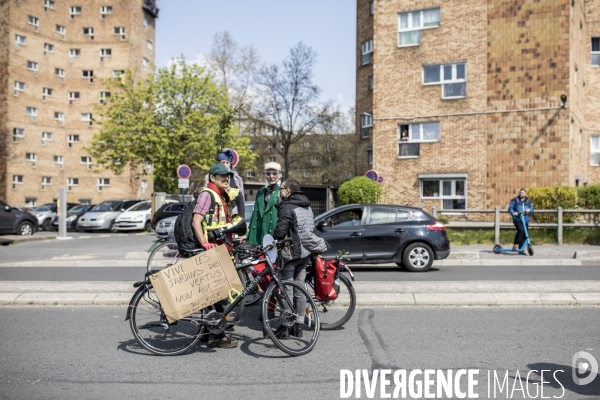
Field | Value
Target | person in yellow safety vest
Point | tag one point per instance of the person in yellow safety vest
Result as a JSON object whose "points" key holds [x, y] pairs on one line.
{"points": [[212, 211]]}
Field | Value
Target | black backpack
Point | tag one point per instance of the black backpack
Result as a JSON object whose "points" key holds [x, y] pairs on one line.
{"points": [[184, 233]]}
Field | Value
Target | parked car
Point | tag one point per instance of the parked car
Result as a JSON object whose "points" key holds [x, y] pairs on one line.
{"points": [[165, 211], [249, 209], [135, 218], [102, 216], [165, 229], [73, 215], [16, 221], [376, 234], [46, 212]]}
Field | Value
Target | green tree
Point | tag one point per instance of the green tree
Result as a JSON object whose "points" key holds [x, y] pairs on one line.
{"points": [[172, 118], [360, 190]]}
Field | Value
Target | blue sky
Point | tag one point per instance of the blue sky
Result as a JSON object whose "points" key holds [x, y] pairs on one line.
{"points": [[273, 26]]}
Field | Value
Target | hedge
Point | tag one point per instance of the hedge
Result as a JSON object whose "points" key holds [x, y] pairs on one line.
{"points": [[549, 198]]}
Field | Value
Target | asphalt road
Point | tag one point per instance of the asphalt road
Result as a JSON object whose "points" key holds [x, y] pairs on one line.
{"points": [[90, 353], [455, 273]]}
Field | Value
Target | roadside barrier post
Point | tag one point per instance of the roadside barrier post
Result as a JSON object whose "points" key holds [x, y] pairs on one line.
{"points": [[434, 212], [497, 225], [560, 226]]}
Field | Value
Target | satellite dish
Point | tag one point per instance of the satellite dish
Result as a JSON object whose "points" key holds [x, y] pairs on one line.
{"points": [[272, 254]]}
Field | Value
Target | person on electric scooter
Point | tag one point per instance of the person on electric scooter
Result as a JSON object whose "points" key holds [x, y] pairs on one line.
{"points": [[212, 211], [520, 204]]}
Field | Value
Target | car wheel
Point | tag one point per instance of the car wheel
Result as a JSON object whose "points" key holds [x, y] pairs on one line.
{"points": [[25, 229], [417, 257], [78, 228], [147, 226], [47, 225], [112, 228]]}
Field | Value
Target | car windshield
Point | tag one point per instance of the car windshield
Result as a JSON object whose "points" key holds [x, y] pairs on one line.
{"points": [[107, 206], [78, 209], [140, 207], [45, 207]]}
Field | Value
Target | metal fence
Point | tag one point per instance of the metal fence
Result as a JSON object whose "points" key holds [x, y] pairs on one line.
{"points": [[318, 207], [497, 223]]}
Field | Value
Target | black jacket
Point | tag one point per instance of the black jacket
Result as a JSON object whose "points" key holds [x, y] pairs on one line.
{"points": [[295, 220]]}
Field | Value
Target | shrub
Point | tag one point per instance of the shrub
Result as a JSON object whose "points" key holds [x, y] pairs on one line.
{"points": [[360, 190], [548, 198], [443, 219], [589, 198]]}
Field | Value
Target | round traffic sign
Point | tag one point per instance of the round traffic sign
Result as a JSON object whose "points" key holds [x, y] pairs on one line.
{"points": [[184, 172], [372, 174], [236, 158]]}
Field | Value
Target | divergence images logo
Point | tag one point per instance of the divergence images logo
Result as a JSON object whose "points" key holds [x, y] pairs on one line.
{"points": [[580, 367]]}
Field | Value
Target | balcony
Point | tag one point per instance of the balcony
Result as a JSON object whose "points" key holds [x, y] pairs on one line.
{"points": [[151, 8]]}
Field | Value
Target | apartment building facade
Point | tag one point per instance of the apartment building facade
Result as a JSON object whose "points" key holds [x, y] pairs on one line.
{"points": [[459, 103], [54, 59]]}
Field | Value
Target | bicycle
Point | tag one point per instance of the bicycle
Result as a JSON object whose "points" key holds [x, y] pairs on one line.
{"points": [[332, 313], [151, 329]]}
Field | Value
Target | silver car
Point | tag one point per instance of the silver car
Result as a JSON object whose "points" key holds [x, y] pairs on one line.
{"points": [[165, 229], [46, 212], [103, 216]]}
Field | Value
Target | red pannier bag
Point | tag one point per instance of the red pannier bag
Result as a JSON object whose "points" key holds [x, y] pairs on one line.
{"points": [[327, 283], [257, 269]]}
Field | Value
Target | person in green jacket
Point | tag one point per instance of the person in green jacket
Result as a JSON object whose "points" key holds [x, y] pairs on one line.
{"points": [[264, 216]]}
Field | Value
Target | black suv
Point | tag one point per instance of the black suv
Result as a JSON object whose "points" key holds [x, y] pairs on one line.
{"points": [[16, 221], [377, 234], [166, 211]]}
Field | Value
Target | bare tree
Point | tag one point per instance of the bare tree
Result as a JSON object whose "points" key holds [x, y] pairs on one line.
{"points": [[288, 99]]}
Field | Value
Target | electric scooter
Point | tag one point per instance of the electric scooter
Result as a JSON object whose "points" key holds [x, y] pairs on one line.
{"points": [[526, 245]]}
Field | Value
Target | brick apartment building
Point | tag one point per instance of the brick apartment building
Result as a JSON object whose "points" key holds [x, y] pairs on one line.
{"points": [[54, 56], [476, 85]]}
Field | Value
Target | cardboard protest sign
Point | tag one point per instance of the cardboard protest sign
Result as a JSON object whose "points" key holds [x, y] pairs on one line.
{"points": [[196, 283]]}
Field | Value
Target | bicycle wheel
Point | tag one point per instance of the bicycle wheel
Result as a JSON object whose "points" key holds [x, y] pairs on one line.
{"points": [[152, 331], [335, 313], [278, 315], [236, 314], [164, 255], [255, 294]]}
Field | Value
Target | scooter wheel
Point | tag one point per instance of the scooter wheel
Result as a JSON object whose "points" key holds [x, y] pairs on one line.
{"points": [[497, 249], [530, 249]]}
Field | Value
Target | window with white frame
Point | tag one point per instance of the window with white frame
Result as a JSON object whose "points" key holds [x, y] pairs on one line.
{"points": [[370, 82], [250, 174], [32, 112], [306, 174], [367, 50], [410, 137], [120, 30], [143, 186], [72, 139], [61, 30], [105, 10], [74, 53], [20, 40], [450, 190], [117, 73], [103, 96], [74, 10], [271, 145], [59, 116], [31, 20], [58, 160], [365, 125], [411, 23], [349, 174], [149, 45], [251, 146], [48, 5], [17, 180], [48, 48], [73, 96], [31, 157], [31, 202], [103, 182], [329, 146], [72, 182], [271, 159], [88, 31], [18, 133], [371, 7], [88, 74], [146, 23], [47, 136], [86, 160], [306, 144], [19, 87], [104, 53], [595, 150], [59, 72], [87, 117], [596, 51], [46, 181], [314, 159], [32, 66], [452, 77], [47, 92], [370, 156], [144, 64]]}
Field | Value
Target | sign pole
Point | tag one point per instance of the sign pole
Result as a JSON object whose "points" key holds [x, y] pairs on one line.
{"points": [[182, 194]]}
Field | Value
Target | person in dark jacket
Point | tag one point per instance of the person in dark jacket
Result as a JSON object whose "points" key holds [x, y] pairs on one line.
{"points": [[520, 204], [296, 223]]}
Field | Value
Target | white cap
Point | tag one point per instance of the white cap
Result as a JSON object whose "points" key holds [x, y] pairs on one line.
{"points": [[273, 165]]}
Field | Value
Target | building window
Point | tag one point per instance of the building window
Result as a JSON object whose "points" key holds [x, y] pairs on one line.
{"points": [[18, 133], [31, 20], [251, 146], [271, 145], [46, 181], [73, 96], [596, 51], [349, 174], [306, 174], [452, 77], [32, 66], [59, 72], [105, 10], [370, 82], [144, 186], [20, 40], [103, 182], [18, 87], [369, 156], [48, 48], [365, 125], [329, 146], [48, 5], [73, 11], [87, 160], [271, 159], [88, 74], [314, 159], [59, 117], [89, 31], [451, 191], [367, 50], [105, 53], [72, 139], [117, 73], [103, 97], [306, 144], [144, 64], [17, 180], [410, 137], [411, 23], [595, 150], [72, 182], [46, 136], [48, 92], [371, 7], [30, 202], [32, 112], [149, 45], [74, 53], [146, 23], [250, 174], [61, 30], [120, 30], [31, 157], [87, 117]]}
